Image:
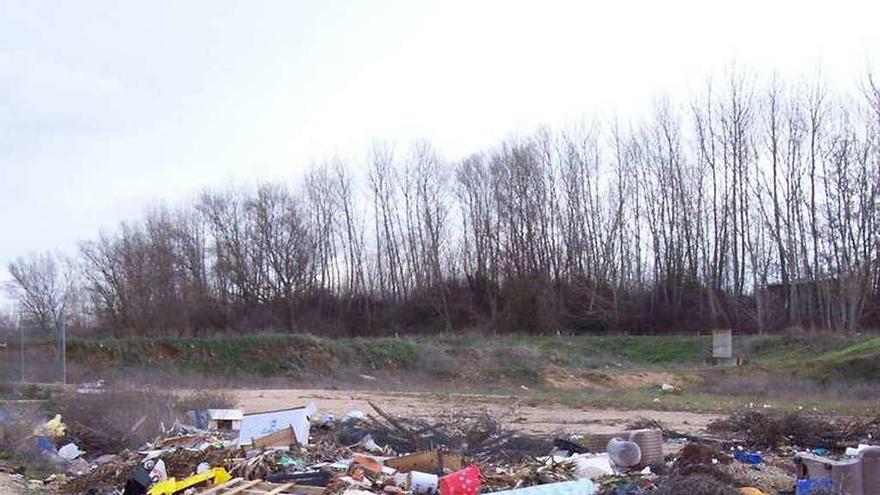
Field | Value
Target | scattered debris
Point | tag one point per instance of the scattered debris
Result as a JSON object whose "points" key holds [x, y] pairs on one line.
{"points": [[694, 454], [748, 457], [298, 452], [765, 477], [693, 484]]}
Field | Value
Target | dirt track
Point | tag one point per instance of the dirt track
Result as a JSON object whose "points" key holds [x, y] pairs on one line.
{"points": [[546, 419]]}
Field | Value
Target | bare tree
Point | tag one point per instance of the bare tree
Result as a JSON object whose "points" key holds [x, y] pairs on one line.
{"points": [[43, 287], [755, 206]]}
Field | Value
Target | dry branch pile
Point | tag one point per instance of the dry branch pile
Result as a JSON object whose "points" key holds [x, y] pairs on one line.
{"points": [[769, 430]]}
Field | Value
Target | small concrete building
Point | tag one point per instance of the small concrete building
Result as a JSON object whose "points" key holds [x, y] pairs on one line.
{"points": [[722, 346]]}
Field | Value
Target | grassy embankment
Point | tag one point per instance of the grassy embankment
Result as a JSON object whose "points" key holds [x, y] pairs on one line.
{"points": [[824, 372]]}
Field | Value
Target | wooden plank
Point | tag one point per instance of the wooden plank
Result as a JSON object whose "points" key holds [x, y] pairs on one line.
{"points": [[241, 488], [427, 462], [216, 489], [279, 489]]}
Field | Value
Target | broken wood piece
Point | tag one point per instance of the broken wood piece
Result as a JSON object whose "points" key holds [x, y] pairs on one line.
{"points": [[281, 438]]}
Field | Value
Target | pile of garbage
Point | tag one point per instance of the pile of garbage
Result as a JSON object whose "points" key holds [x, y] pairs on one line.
{"points": [[305, 451]]}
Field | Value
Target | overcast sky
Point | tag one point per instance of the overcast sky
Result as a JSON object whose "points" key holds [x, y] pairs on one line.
{"points": [[109, 107]]}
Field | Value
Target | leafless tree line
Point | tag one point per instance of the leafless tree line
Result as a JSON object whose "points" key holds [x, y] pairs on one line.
{"points": [[754, 206]]}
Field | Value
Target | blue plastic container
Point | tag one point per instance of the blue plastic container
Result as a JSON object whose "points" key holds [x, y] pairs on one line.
{"points": [[810, 487]]}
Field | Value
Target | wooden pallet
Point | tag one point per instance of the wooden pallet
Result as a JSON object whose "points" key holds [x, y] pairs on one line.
{"points": [[241, 486]]}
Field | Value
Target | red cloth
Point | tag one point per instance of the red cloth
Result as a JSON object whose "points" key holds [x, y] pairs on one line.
{"points": [[464, 482]]}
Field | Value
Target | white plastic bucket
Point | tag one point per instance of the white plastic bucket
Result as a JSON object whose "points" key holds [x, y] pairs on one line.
{"points": [[422, 483]]}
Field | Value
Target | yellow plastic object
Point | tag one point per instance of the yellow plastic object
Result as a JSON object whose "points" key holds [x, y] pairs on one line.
{"points": [[53, 428], [172, 485], [750, 491]]}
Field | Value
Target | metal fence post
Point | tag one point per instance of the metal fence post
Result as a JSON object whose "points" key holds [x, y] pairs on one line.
{"points": [[63, 352], [20, 343]]}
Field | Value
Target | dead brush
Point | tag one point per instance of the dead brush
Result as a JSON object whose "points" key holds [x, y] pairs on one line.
{"points": [[770, 430], [114, 420], [17, 437], [481, 436]]}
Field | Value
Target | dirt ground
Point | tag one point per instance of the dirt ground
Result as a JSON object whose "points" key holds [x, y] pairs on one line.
{"points": [[546, 419], [8, 485], [12, 486]]}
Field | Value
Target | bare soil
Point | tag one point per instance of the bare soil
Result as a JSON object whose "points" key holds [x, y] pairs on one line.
{"points": [[568, 379], [551, 418], [12, 486]]}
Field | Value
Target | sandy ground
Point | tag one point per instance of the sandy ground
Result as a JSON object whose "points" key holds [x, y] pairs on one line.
{"points": [[544, 419]]}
